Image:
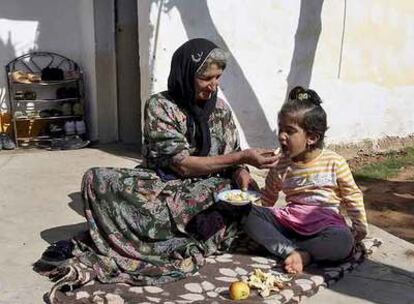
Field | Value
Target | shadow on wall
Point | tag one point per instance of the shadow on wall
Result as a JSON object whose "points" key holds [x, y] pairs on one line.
{"points": [[50, 33], [198, 23], [306, 42], [7, 51]]}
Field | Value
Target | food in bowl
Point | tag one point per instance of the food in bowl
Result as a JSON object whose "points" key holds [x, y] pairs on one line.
{"points": [[240, 197]]}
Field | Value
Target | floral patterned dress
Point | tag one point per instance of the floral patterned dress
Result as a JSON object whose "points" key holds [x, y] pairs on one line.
{"points": [[145, 230]]}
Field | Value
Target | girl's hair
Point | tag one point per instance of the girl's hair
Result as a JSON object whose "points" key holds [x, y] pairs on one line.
{"points": [[304, 106], [216, 56]]}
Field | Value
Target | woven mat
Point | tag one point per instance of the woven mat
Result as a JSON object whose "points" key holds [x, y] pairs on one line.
{"points": [[210, 284]]}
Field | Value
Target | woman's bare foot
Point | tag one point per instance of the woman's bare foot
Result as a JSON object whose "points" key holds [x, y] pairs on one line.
{"points": [[295, 262]]}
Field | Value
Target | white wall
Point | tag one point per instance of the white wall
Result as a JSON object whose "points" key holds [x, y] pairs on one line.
{"points": [[62, 26], [356, 55], [373, 95], [362, 70]]}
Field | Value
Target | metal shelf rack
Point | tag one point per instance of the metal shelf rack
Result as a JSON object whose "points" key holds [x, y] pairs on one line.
{"points": [[26, 75]]}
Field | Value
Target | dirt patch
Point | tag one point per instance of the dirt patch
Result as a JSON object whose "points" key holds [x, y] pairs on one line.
{"points": [[361, 159], [368, 146], [390, 203]]}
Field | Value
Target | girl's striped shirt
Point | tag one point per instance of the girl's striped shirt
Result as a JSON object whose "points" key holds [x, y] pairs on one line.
{"points": [[325, 181]]}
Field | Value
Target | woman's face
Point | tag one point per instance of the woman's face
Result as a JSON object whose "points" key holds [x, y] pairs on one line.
{"points": [[207, 83]]}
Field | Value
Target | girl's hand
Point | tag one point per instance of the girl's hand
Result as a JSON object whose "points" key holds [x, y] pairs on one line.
{"points": [[260, 158], [358, 235], [244, 180], [266, 201], [283, 176]]}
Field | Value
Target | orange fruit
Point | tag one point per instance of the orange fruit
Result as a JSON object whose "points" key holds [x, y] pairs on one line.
{"points": [[239, 290]]}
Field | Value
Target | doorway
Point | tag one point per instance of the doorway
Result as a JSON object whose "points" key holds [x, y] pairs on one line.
{"points": [[128, 72]]}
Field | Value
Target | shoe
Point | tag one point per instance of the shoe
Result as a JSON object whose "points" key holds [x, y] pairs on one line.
{"points": [[67, 109], [55, 112], [6, 142], [19, 95], [68, 143], [45, 113], [56, 130], [58, 252], [80, 128], [29, 95], [30, 108], [77, 109], [69, 128], [74, 143], [33, 77], [20, 77], [19, 115]]}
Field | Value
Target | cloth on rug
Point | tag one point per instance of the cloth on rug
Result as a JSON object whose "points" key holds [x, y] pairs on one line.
{"points": [[147, 226], [210, 284]]}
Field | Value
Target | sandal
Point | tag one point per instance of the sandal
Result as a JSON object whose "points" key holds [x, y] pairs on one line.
{"points": [[58, 252]]}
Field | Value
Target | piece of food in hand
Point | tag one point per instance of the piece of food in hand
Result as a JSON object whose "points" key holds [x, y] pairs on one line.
{"points": [[239, 290], [273, 153], [268, 154], [277, 151]]}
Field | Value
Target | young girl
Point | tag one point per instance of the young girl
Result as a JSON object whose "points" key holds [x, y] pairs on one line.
{"points": [[316, 182]]}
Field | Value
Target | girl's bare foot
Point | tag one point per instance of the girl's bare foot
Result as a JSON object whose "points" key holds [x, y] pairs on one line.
{"points": [[295, 262]]}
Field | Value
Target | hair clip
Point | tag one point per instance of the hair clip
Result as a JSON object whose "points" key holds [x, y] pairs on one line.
{"points": [[303, 96], [196, 58]]}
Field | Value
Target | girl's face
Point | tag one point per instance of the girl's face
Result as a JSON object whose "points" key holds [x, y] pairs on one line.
{"points": [[293, 139], [207, 83]]}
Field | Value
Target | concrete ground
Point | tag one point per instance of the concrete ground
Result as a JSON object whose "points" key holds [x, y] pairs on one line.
{"points": [[40, 203]]}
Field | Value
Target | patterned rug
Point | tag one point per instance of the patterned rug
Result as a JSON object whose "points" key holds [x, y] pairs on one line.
{"points": [[211, 283]]}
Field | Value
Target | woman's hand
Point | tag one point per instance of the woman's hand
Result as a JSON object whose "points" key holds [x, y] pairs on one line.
{"points": [[191, 166], [244, 180], [260, 158]]}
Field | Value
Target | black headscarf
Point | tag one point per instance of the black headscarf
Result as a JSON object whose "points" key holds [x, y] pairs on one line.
{"points": [[185, 62]]}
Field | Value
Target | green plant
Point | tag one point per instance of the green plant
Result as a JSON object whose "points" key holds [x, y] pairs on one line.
{"points": [[388, 168]]}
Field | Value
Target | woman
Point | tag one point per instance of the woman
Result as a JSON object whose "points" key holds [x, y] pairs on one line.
{"points": [[156, 223]]}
